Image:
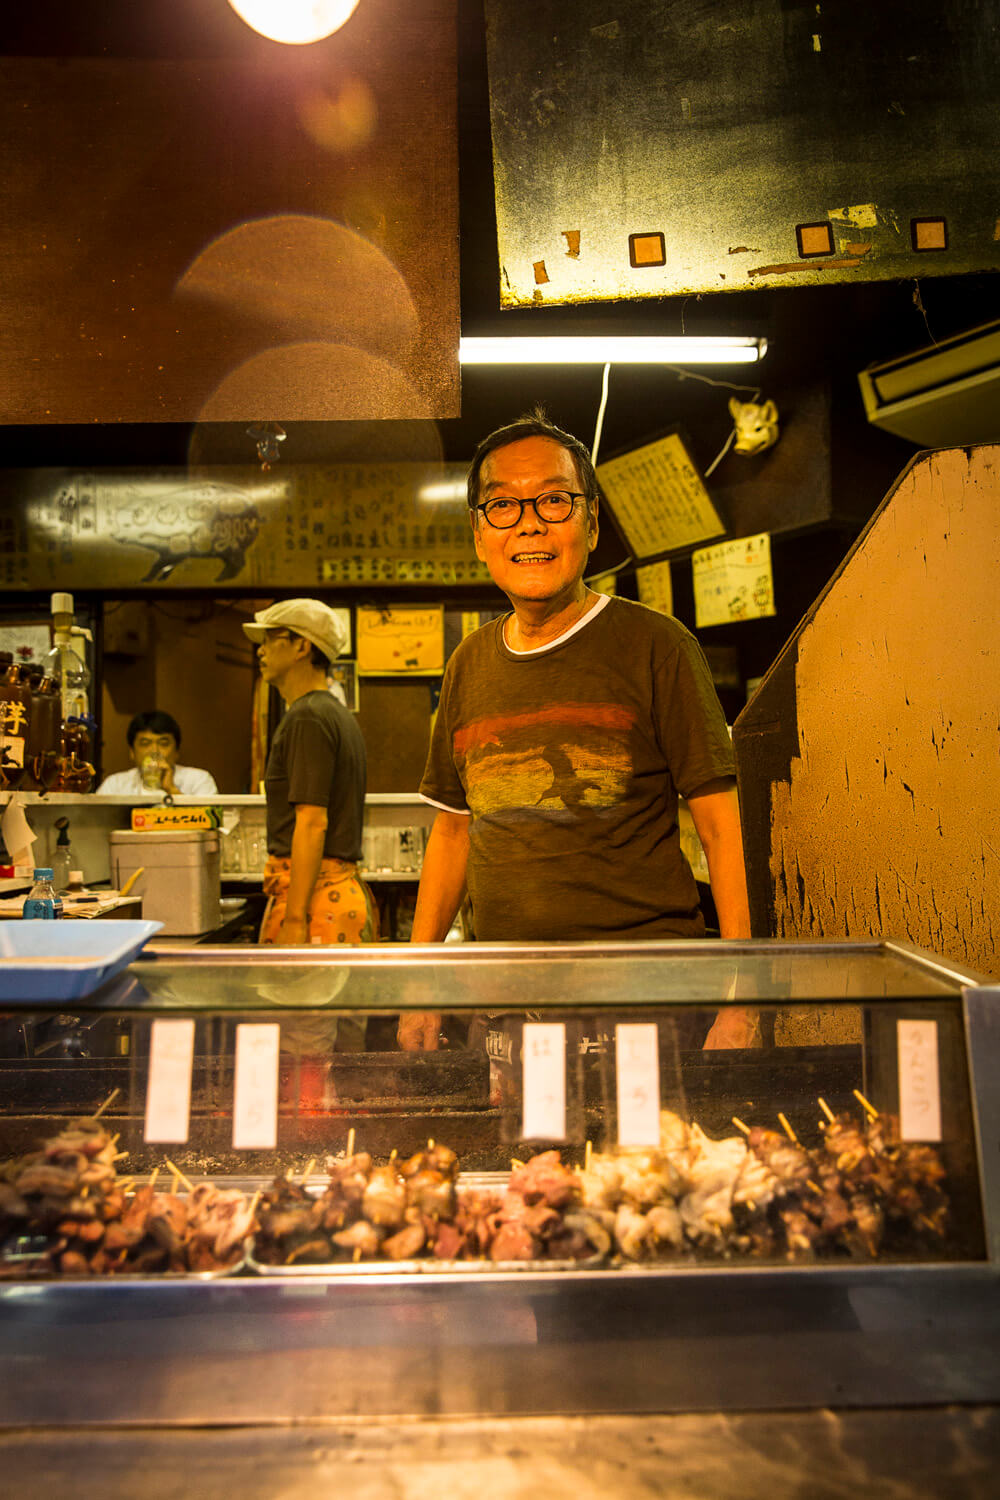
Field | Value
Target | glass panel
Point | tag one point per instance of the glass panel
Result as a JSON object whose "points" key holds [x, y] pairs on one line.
{"points": [[478, 977], [785, 1150]]}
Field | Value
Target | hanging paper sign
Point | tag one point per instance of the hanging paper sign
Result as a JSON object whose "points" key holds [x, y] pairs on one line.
{"points": [[659, 499], [404, 642], [637, 1075], [656, 587], [544, 1080], [255, 1100], [733, 581], [168, 1092], [919, 1087]]}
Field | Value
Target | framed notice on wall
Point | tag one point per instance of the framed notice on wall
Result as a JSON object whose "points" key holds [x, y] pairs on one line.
{"points": [[658, 498], [401, 642]]}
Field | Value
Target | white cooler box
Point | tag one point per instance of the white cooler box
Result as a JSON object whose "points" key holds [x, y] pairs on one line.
{"points": [[179, 884]]}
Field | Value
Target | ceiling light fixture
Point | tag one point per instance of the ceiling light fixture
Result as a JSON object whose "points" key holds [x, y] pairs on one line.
{"points": [[603, 350], [297, 22]]}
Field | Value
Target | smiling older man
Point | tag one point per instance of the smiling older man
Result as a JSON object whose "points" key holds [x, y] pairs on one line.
{"points": [[566, 731]]}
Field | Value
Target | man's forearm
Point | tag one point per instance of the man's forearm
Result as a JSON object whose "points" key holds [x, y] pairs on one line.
{"points": [[716, 813], [307, 855], [442, 878]]}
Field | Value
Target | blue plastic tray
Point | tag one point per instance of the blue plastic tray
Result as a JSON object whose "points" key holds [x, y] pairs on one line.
{"points": [[49, 962]]}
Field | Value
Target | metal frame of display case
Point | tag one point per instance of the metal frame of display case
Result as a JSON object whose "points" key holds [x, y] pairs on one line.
{"points": [[273, 1349]]}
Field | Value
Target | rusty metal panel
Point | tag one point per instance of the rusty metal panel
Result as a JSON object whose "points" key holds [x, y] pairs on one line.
{"points": [[867, 759], [217, 228], [647, 149]]}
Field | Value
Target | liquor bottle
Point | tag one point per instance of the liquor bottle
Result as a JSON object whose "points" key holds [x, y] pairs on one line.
{"points": [[42, 901], [62, 856]]}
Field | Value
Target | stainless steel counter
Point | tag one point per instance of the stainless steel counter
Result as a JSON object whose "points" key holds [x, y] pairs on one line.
{"points": [[272, 1350], [946, 1454]]}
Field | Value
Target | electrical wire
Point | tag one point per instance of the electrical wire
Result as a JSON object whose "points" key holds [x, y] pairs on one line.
{"points": [[600, 415]]}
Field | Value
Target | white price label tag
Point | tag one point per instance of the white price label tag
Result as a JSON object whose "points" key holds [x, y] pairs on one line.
{"points": [[544, 1080], [255, 1101], [637, 1073], [168, 1092], [919, 1090]]}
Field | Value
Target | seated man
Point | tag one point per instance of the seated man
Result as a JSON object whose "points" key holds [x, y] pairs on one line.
{"points": [[158, 735]]}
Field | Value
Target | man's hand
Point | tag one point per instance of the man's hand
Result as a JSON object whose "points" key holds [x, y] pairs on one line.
{"points": [[735, 1026], [293, 933], [419, 1031]]}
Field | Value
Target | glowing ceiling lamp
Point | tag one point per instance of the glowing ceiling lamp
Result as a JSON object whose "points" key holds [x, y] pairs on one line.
{"points": [[616, 350], [297, 22]]}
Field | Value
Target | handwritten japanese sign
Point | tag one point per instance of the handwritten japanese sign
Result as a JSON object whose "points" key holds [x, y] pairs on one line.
{"points": [[400, 641], [637, 1076], [544, 1080], [919, 1089], [296, 526], [255, 1101], [733, 581], [658, 498], [168, 1093]]}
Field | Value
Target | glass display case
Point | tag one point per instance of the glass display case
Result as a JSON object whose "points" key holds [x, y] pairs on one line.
{"points": [[633, 1176]]}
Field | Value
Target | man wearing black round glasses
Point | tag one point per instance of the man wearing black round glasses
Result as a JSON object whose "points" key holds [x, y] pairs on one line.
{"points": [[565, 732]]}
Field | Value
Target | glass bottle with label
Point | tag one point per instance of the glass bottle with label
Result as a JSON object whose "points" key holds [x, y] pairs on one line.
{"points": [[15, 711], [42, 901]]}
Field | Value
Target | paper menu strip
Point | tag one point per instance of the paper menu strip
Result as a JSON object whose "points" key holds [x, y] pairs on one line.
{"points": [[919, 1087], [637, 1075], [543, 1061], [255, 1102], [168, 1093]]}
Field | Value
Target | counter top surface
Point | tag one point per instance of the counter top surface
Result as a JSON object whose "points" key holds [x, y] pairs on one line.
{"points": [[931, 1454]]}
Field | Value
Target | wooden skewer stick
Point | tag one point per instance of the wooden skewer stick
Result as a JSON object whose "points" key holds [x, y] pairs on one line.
{"points": [[814, 1185], [115, 1138], [827, 1110], [99, 1112], [787, 1128], [179, 1175], [153, 1176], [118, 1155], [868, 1107], [515, 1164], [308, 1171], [350, 1141], [741, 1125], [430, 1144], [588, 1151], [357, 1253], [252, 1208]]}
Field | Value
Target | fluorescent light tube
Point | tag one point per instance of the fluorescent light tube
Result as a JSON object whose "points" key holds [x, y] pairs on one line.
{"points": [[586, 350]]}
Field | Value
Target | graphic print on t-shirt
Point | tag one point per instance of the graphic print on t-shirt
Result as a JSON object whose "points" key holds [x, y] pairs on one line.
{"points": [[560, 759]]}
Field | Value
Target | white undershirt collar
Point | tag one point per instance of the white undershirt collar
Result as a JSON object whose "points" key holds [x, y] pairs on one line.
{"points": [[592, 613]]}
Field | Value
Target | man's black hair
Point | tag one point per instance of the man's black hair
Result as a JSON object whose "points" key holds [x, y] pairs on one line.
{"points": [[317, 658], [533, 424], [157, 722]]}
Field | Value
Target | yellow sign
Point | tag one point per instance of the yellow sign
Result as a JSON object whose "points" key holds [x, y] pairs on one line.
{"points": [[175, 817], [733, 581], [656, 587], [659, 500], [401, 642]]}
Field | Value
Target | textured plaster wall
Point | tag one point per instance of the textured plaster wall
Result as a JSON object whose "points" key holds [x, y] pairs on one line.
{"points": [[890, 823]]}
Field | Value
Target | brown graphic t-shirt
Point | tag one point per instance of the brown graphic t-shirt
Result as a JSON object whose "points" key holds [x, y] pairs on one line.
{"points": [[569, 761]]}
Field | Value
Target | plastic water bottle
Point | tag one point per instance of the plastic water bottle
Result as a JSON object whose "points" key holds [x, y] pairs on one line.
{"points": [[42, 901]]}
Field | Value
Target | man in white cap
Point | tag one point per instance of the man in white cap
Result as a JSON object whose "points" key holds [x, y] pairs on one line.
{"points": [[314, 784]]}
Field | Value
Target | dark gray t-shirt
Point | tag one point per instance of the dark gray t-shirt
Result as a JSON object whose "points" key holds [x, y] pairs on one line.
{"points": [[569, 761], [317, 756]]}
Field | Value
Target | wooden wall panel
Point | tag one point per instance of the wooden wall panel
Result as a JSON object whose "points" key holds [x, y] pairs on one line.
{"points": [[869, 757]]}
